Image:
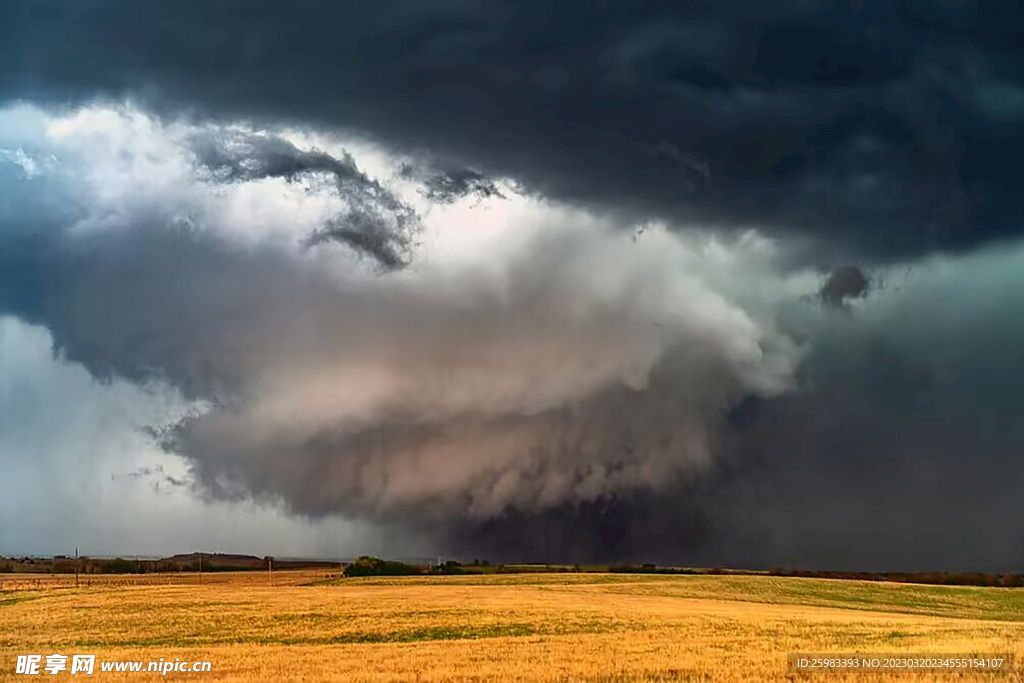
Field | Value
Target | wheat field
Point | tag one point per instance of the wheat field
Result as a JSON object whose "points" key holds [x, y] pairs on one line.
{"points": [[539, 627]]}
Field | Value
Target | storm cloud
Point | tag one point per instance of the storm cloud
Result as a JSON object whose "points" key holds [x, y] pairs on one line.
{"points": [[376, 222], [481, 392], [726, 283], [889, 128], [898, 450], [573, 363]]}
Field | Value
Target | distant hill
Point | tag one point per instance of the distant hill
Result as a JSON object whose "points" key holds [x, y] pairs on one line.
{"points": [[232, 562], [225, 560]]}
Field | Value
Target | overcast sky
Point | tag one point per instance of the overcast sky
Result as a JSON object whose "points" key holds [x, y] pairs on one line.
{"points": [[735, 283]]}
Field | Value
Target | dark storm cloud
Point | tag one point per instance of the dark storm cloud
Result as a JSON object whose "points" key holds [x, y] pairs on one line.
{"points": [[536, 411], [842, 283], [896, 449], [904, 453], [448, 186], [900, 451], [377, 223], [886, 128], [430, 395], [430, 400], [478, 464]]}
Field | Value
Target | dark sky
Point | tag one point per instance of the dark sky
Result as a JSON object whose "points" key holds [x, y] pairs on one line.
{"points": [[892, 127], [723, 282]]}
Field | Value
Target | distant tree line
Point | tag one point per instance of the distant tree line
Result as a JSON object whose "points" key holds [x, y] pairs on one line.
{"points": [[368, 565], [651, 569], [194, 562], [374, 566], [942, 578]]}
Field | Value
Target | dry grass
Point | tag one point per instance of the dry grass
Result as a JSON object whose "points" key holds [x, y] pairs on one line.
{"points": [[562, 627]]}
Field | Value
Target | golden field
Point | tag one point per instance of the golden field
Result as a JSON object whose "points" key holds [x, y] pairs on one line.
{"points": [[534, 627]]}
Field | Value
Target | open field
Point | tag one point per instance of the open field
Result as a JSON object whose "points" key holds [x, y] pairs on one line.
{"points": [[544, 627]]}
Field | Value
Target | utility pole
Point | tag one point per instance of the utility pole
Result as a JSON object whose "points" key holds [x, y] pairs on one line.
{"points": [[77, 566]]}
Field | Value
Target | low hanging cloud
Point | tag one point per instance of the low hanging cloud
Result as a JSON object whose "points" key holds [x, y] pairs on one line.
{"points": [[568, 365], [471, 395], [458, 394], [897, 450]]}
